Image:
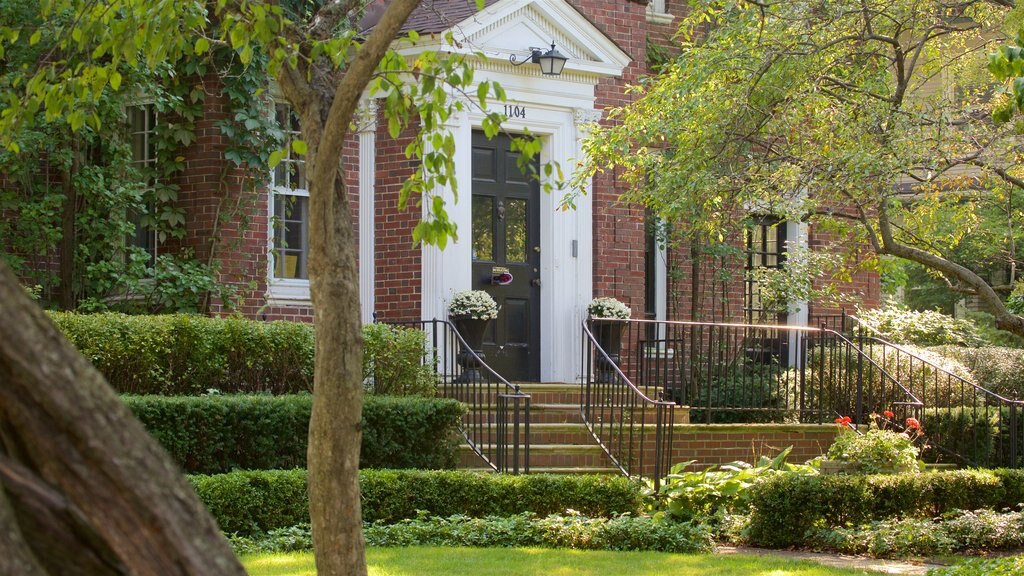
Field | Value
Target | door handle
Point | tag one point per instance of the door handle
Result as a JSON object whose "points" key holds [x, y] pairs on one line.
{"points": [[535, 282]]}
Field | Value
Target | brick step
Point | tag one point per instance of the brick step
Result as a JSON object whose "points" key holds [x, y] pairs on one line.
{"points": [[570, 413], [567, 393], [569, 433], [609, 471], [549, 456]]}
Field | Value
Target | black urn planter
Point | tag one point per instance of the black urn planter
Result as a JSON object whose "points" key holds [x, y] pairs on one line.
{"points": [[472, 332], [608, 333]]}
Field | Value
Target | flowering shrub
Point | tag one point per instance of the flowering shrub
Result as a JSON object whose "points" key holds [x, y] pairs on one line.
{"points": [[880, 450], [476, 304], [608, 308], [904, 326]]}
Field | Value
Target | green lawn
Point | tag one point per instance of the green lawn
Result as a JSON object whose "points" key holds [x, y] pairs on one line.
{"points": [[531, 561]]}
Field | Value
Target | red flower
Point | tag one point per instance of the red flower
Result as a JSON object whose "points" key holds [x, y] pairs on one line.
{"points": [[888, 414], [843, 421], [913, 423]]}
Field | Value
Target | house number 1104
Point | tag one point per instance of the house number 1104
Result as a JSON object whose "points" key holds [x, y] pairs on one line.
{"points": [[513, 111]]}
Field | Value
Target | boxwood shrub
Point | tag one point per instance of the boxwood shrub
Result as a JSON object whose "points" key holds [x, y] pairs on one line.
{"points": [[220, 433], [183, 354], [250, 502], [187, 354], [785, 507]]}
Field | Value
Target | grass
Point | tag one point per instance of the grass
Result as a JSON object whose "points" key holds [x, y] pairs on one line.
{"points": [[530, 561]]}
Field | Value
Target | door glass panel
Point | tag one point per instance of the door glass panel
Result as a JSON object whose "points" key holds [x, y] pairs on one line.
{"points": [[483, 228], [515, 230]]}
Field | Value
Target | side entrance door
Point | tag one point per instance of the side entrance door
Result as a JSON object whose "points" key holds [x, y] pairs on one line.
{"points": [[506, 256]]}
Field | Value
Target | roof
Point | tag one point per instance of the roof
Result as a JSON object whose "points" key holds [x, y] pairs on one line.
{"points": [[429, 17]]}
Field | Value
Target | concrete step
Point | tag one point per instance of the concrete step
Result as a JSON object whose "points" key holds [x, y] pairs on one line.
{"points": [[544, 456], [609, 471]]}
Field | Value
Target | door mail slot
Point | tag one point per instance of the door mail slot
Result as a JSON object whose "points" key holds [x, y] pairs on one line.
{"points": [[501, 276]]}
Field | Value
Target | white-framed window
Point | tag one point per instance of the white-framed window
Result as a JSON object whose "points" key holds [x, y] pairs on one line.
{"points": [[142, 121], [657, 12], [289, 216]]}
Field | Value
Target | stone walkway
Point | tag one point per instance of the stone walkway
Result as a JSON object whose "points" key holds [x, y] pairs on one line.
{"points": [[839, 561]]}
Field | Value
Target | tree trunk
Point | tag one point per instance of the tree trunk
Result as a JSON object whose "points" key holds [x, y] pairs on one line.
{"points": [[67, 239], [88, 491], [334, 432]]}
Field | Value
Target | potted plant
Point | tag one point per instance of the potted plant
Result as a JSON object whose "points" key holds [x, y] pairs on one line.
{"points": [[470, 311], [607, 321]]}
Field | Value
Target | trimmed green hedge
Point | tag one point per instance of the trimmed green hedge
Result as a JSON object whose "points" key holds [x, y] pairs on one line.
{"points": [[251, 502], [997, 369], [187, 354], [213, 434], [785, 507]]}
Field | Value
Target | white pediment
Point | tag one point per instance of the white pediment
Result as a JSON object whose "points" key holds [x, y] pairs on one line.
{"points": [[512, 27]]}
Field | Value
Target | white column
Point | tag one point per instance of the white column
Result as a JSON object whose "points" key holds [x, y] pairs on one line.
{"points": [[448, 271], [367, 127]]}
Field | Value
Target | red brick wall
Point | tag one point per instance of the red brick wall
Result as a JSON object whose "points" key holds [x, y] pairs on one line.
{"points": [[618, 229], [398, 291]]}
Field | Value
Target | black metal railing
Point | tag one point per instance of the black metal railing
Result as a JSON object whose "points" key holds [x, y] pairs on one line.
{"points": [[497, 422], [634, 429], [732, 373], [964, 422], [635, 373]]}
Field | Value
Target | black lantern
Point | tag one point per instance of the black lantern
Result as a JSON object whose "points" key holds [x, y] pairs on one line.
{"points": [[551, 62]]}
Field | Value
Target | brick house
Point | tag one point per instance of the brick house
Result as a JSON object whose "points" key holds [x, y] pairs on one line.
{"points": [[558, 260]]}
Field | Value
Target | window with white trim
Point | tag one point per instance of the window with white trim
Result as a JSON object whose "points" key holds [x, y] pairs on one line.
{"points": [[289, 207], [656, 12], [142, 121], [765, 245]]}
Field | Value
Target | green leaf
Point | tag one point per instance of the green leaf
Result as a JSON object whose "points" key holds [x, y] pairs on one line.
{"points": [[115, 80], [202, 45], [275, 158], [299, 146]]}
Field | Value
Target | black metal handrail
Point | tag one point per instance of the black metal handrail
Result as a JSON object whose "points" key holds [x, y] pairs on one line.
{"points": [[722, 373], [497, 421], [955, 407], [617, 412]]}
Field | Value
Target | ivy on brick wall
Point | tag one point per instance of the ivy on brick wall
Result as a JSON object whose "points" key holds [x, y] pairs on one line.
{"points": [[72, 203]]}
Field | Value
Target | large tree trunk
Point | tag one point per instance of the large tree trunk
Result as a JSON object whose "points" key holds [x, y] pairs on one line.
{"points": [[85, 489]]}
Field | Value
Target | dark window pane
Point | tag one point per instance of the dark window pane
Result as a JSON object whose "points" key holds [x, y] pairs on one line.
{"points": [[483, 228], [515, 230]]}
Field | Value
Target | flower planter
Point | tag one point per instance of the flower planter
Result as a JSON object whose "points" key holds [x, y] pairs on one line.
{"points": [[828, 467], [608, 333], [472, 331]]}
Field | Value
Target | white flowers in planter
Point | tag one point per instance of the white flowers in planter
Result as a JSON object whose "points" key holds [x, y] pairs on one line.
{"points": [[475, 304], [608, 308]]}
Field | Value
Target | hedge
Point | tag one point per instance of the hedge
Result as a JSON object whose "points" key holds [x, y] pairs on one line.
{"points": [[220, 433], [252, 502], [187, 354], [183, 354], [785, 507]]}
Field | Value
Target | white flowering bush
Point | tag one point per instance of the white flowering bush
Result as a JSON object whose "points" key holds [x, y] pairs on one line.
{"points": [[608, 308], [476, 304]]}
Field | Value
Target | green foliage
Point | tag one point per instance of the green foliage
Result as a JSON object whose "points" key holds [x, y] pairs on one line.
{"points": [[904, 326], [186, 354], [995, 369], [523, 530], [1008, 566], [876, 451], [250, 502], [218, 433], [393, 361], [968, 433], [697, 495], [954, 532], [785, 507]]}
